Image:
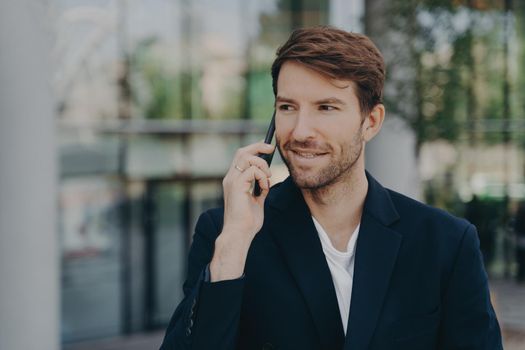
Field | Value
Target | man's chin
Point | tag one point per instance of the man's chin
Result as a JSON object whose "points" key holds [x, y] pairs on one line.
{"points": [[306, 183], [305, 178]]}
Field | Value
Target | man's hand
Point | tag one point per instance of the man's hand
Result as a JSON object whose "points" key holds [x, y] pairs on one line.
{"points": [[243, 212]]}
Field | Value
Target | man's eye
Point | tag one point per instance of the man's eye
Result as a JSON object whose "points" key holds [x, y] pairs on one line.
{"points": [[327, 108], [284, 107]]}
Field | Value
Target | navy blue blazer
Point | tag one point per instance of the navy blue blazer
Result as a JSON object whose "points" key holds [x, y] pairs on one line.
{"points": [[419, 283]]}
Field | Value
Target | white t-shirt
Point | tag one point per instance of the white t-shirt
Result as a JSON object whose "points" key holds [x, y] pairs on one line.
{"points": [[341, 266]]}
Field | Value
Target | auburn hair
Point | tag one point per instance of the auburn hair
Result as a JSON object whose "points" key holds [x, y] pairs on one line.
{"points": [[339, 55]]}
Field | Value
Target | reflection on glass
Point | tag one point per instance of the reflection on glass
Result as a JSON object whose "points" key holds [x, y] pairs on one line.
{"points": [[91, 265]]}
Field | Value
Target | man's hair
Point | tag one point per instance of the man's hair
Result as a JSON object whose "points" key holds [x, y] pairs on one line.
{"points": [[337, 54]]}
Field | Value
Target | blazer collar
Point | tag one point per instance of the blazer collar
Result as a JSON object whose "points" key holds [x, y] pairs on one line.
{"points": [[295, 235], [376, 253], [378, 203]]}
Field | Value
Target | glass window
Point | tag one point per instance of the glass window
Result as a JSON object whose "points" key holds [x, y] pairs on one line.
{"points": [[90, 231]]}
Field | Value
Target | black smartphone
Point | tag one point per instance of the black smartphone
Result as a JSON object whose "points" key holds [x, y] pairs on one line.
{"points": [[267, 157]]}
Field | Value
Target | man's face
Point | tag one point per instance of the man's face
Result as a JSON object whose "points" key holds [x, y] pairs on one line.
{"points": [[318, 126]]}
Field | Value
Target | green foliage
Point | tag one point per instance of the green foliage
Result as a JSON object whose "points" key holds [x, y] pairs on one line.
{"points": [[156, 92], [457, 48], [261, 94]]}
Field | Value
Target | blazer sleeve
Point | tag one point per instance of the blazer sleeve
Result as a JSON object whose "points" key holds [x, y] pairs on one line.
{"points": [[208, 316], [468, 319]]}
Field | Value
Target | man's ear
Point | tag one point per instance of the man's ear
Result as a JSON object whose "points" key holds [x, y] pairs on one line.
{"points": [[373, 122]]}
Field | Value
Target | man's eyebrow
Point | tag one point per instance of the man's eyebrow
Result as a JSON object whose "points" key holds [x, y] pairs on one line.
{"points": [[284, 99], [330, 100]]}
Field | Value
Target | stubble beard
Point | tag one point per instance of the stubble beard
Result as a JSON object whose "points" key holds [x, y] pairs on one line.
{"points": [[339, 169]]}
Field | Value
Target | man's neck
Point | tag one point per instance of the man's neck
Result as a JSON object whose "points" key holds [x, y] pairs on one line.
{"points": [[338, 207]]}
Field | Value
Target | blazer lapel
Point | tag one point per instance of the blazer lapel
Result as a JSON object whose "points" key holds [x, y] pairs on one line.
{"points": [[298, 241], [376, 253]]}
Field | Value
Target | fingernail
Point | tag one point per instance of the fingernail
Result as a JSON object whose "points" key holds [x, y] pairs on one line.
{"points": [[269, 146]]}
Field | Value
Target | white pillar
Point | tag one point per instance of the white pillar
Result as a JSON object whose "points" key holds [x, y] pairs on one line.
{"points": [[29, 264], [391, 157]]}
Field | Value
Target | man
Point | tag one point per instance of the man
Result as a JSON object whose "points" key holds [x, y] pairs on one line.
{"points": [[329, 259]]}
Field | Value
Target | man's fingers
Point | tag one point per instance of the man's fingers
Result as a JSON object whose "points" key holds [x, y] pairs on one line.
{"points": [[259, 176], [254, 149], [264, 192], [253, 173], [247, 166], [248, 156], [260, 163]]}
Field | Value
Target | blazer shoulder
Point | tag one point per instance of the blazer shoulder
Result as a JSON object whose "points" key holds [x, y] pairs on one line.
{"points": [[215, 214], [424, 215], [210, 220]]}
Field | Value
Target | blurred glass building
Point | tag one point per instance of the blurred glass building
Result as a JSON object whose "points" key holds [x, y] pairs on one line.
{"points": [[153, 97]]}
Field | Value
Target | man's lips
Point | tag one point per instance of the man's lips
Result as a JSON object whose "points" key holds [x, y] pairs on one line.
{"points": [[307, 154]]}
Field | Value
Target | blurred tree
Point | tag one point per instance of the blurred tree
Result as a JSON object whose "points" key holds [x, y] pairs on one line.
{"points": [[460, 51], [519, 101], [157, 92], [468, 64]]}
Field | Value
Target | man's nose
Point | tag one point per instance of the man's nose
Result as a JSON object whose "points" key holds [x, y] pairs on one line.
{"points": [[304, 127]]}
